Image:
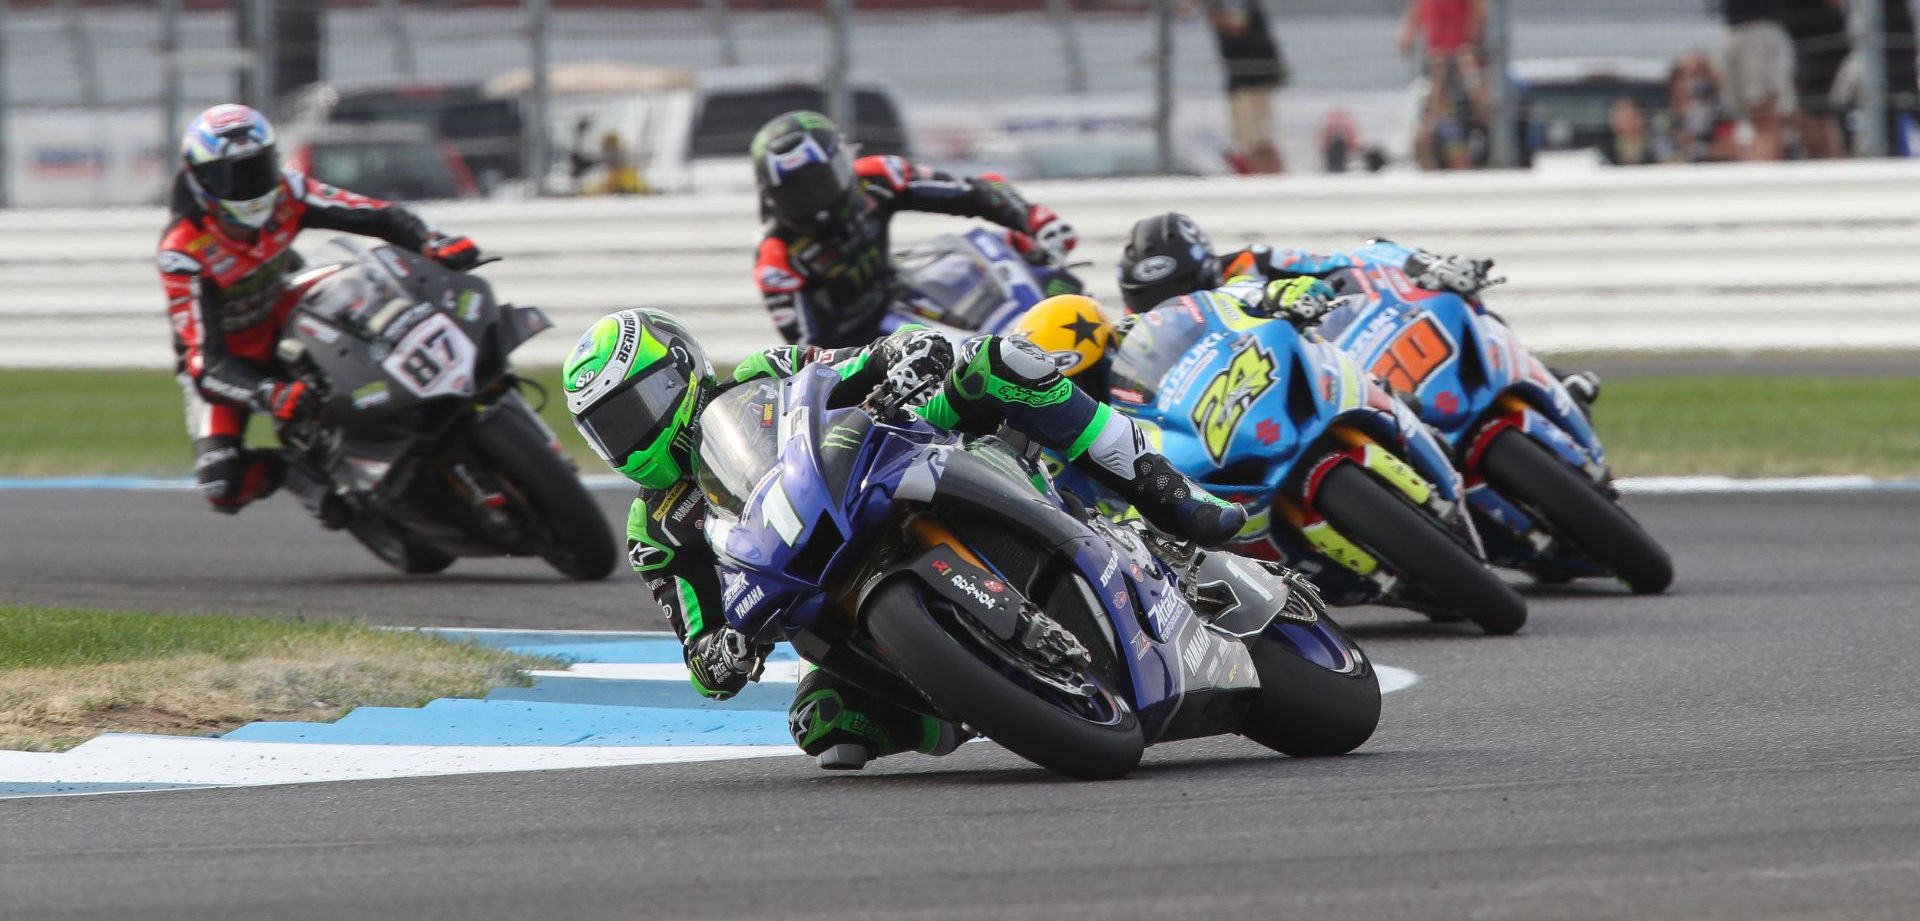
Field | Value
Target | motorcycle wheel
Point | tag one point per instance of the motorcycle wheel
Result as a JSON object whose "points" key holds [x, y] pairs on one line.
{"points": [[397, 549], [1408, 542], [1573, 508], [573, 534], [1305, 710], [958, 680]]}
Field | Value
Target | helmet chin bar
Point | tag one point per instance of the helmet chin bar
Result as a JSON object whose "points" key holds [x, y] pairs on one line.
{"points": [[252, 212]]}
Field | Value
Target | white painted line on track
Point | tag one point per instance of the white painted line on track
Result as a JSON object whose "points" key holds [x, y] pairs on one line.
{"points": [[777, 672], [118, 758]]}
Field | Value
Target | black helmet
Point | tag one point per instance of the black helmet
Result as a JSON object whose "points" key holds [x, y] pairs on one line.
{"points": [[1167, 255], [803, 166]]}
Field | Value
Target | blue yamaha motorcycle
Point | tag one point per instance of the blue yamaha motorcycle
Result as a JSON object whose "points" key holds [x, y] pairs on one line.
{"points": [[1339, 479], [948, 575], [974, 282], [1537, 481]]}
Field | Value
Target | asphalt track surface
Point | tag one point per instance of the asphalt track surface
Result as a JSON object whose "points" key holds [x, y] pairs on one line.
{"points": [[1747, 746]]}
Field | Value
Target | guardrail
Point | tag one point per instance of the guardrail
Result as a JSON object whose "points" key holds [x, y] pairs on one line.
{"points": [[1733, 257]]}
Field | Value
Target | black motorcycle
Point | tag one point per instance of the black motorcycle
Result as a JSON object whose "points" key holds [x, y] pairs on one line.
{"points": [[424, 449]]}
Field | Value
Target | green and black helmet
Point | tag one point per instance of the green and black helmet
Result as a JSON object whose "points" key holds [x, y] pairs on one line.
{"points": [[633, 384], [804, 167]]}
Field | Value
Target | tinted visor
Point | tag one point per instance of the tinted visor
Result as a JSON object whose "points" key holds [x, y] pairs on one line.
{"points": [[633, 417], [239, 180], [807, 190]]}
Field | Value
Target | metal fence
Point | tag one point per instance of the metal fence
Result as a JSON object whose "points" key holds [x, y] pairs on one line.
{"points": [[590, 96]]}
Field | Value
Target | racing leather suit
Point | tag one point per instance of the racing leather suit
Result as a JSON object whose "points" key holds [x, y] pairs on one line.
{"points": [[993, 380], [225, 302], [832, 287]]}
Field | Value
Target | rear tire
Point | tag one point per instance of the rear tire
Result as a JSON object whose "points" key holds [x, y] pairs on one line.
{"points": [[1305, 710], [963, 687], [1573, 508], [397, 549], [577, 540], [1408, 542]]}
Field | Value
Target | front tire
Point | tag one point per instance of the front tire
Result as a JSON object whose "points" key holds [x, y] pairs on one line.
{"points": [[1305, 710], [571, 531], [964, 687], [1573, 508], [1410, 543]]}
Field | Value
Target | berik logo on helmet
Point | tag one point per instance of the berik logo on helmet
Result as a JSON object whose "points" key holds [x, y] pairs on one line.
{"points": [[1154, 268]]}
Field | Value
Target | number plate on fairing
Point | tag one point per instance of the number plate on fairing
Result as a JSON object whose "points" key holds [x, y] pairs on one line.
{"points": [[434, 359]]}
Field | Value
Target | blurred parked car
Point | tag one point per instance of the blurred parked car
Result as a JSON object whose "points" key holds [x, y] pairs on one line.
{"points": [[484, 131], [394, 162], [684, 132], [1566, 102]]}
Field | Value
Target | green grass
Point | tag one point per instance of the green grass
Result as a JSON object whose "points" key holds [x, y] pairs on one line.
{"points": [[1756, 426], [77, 423], [130, 422], [67, 675]]}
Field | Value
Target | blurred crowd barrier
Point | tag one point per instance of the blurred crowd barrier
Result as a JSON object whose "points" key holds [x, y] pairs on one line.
{"points": [[434, 99], [1713, 257]]}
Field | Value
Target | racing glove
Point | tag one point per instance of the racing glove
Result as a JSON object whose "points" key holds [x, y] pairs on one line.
{"points": [[284, 400], [456, 253], [1051, 233], [1458, 274], [913, 356], [1299, 301], [721, 662]]}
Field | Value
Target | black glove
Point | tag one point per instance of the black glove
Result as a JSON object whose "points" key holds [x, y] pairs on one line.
{"points": [[456, 253], [722, 661], [1458, 274], [285, 400], [913, 356]]}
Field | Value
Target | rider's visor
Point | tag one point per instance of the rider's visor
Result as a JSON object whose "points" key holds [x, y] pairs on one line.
{"points": [[239, 179], [633, 416], [809, 184]]}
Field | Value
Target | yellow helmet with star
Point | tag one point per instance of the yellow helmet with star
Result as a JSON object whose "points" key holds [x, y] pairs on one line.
{"points": [[1068, 324]]}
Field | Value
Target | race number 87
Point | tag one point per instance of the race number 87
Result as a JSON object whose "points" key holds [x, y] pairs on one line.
{"points": [[429, 359]]}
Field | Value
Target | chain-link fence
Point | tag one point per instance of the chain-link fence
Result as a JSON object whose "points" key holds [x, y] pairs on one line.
{"points": [[438, 98]]}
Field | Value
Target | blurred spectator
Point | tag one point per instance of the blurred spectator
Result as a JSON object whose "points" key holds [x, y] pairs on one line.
{"points": [[1629, 143], [1456, 103], [1819, 32], [1254, 71], [1759, 71], [610, 172], [1702, 130], [1903, 87]]}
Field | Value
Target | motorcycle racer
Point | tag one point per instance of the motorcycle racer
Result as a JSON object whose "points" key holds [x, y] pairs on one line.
{"points": [[1168, 255], [224, 260], [823, 265], [636, 384]]}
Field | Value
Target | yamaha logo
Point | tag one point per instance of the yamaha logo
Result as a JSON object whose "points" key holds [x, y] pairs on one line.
{"points": [[1154, 268]]}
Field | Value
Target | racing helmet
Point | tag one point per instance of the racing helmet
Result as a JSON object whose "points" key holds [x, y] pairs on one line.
{"points": [[803, 166], [1071, 328], [232, 164], [1166, 256], [634, 384]]}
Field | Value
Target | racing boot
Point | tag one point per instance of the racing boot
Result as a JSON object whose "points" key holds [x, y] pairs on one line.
{"points": [[1583, 386], [1119, 458], [319, 499], [844, 727]]}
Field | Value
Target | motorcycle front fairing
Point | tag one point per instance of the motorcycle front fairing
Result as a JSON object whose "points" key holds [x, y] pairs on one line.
{"points": [[1239, 402], [1472, 379], [972, 282], [403, 346]]}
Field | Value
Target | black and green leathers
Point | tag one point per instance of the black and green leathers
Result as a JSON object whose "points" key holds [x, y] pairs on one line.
{"points": [[992, 380]]}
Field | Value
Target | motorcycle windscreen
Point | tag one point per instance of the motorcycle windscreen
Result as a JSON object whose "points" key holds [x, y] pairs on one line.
{"points": [[1160, 340], [634, 415], [739, 436], [965, 291]]}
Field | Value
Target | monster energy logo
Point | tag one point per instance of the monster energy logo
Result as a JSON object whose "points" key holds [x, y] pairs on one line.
{"points": [[842, 436]]}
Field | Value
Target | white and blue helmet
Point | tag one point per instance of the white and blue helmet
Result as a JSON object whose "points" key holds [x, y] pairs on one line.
{"points": [[232, 164]]}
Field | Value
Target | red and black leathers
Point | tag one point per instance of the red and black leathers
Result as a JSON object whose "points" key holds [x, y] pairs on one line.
{"points": [[830, 284], [225, 291]]}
